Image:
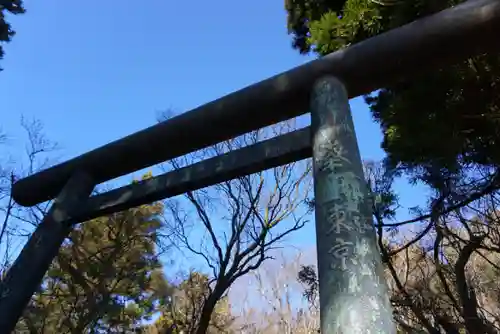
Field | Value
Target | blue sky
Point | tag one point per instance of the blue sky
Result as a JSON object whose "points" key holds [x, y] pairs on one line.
{"points": [[93, 72]]}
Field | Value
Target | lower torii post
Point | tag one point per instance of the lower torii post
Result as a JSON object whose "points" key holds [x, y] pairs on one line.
{"points": [[25, 275], [353, 292]]}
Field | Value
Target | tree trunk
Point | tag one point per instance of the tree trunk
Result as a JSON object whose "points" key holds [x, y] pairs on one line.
{"points": [[209, 307], [206, 315]]}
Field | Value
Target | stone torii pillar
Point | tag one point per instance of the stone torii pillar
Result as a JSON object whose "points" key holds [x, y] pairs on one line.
{"points": [[352, 290]]}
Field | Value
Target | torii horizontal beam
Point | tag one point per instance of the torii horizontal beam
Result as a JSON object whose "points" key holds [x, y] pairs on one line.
{"points": [[270, 153], [450, 35]]}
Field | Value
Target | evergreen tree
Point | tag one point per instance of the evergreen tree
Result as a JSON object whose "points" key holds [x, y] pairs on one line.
{"points": [[106, 279], [6, 32], [459, 101]]}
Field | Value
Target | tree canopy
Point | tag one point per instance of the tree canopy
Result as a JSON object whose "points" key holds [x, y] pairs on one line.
{"points": [[13, 7], [107, 277], [459, 101]]}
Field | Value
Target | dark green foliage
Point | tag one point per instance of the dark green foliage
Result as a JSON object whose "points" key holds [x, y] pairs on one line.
{"points": [[324, 26], [106, 279], [448, 117], [438, 126], [6, 32], [308, 277]]}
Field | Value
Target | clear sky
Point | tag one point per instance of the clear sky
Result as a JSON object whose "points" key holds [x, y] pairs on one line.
{"points": [[93, 72]]}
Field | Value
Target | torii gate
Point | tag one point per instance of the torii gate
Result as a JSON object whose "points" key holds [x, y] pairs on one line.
{"points": [[353, 292]]}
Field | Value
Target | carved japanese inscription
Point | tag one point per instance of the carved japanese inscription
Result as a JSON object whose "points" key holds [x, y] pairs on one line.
{"points": [[353, 293]]}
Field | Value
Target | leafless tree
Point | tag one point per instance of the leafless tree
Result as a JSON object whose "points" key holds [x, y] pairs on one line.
{"points": [[273, 302], [434, 272], [443, 271], [242, 220], [17, 222]]}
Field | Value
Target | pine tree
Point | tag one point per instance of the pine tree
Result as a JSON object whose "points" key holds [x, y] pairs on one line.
{"points": [[459, 101], [106, 279], [6, 32]]}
